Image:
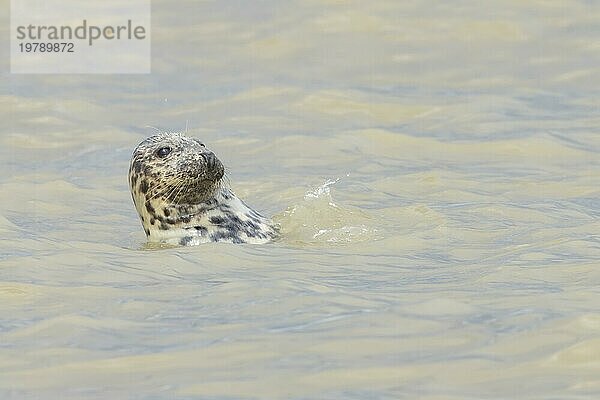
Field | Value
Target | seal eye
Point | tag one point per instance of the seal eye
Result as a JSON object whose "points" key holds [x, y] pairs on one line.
{"points": [[163, 152]]}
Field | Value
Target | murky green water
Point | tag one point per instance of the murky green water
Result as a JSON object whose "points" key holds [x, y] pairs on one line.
{"points": [[435, 168]]}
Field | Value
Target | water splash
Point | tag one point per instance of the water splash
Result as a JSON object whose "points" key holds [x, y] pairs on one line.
{"points": [[319, 220], [322, 191]]}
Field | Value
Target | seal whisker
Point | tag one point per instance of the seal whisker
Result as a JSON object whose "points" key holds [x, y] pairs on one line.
{"points": [[158, 191], [182, 185], [169, 195], [155, 128]]}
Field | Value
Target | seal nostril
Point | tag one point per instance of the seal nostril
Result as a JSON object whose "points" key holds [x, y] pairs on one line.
{"points": [[210, 159]]}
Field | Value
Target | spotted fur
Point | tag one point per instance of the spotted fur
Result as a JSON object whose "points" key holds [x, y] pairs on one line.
{"points": [[182, 198]]}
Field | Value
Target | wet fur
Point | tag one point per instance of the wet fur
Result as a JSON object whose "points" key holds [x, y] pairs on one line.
{"points": [[183, 198]]}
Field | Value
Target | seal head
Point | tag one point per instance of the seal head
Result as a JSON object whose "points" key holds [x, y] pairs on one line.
{"points": [[181, 197]]}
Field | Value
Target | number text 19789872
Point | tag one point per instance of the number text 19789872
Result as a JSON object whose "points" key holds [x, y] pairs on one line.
{"points": [[42, 47]]}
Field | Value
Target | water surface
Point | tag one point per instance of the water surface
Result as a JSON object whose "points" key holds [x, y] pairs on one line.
{"points": [[435, 169]]}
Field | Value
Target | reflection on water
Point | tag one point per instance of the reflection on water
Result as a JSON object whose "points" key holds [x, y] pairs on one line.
{"points": [[435, 170]]}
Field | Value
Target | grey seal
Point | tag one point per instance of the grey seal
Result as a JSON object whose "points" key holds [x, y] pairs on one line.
{"points": [[179, 191]]}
